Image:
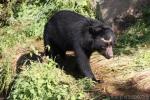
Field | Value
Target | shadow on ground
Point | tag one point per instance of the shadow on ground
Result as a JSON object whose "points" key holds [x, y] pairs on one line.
{"points": [[26, 59], [69, 65]]}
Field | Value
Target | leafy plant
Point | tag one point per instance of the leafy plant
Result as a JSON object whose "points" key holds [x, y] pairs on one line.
{"points": [[34, 13], [45, 81], [137, 36], [143, 58], [6, 76]]}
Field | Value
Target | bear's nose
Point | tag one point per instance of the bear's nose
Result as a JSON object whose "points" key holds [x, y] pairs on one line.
{"points": [[111, 55], [108, 56]]}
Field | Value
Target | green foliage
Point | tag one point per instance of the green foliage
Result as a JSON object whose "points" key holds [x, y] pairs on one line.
{"points": [[10, 38], [34, 13], [146, 14], [46, 82], [143, 58], [86, 83], [6, 12], [137, 36], [6, 75], [27, 18]]}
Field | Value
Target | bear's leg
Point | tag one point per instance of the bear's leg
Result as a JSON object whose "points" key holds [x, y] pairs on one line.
{"points": [[46, 50], [88, 54], [83, 62]]}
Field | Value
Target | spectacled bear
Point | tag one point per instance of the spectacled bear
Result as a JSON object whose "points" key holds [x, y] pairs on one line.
{"points": [[68, 30]]}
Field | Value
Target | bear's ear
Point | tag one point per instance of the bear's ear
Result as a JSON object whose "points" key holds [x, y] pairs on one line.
{"points": [[95, 29]]}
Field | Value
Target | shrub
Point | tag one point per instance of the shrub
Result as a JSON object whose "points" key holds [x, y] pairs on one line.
{"points": [[135, 37], [143, 58], [45, 81], [6, 75], [34, 13]]}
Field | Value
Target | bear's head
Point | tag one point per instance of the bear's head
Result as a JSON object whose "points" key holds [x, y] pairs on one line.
{"points": [[104, 40]]}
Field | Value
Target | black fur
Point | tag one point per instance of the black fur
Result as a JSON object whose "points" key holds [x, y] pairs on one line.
{"points": [[67, 30]]}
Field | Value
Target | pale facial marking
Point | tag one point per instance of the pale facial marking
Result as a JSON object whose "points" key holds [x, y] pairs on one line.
{"points": [[106, 41], [109, 49]]}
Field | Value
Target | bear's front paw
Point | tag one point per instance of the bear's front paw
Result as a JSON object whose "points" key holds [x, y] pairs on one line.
{"points": [[98, 81]]}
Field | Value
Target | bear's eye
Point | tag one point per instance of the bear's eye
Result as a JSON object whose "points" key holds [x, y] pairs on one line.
{"points": [[110, 44], [104, 47]]}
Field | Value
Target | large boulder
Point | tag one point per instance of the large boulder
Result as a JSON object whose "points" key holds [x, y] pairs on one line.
{"points": [[141, 81], [119, 13]]}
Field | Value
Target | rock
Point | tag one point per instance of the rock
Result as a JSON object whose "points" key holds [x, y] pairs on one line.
{"points": [[141, 81], [119, 13]]}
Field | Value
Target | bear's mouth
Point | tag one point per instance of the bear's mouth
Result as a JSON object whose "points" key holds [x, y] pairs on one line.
{"points": [[106, 55]]}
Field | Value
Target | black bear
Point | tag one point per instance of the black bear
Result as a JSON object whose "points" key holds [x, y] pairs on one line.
{"points": [[67, 30]]}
